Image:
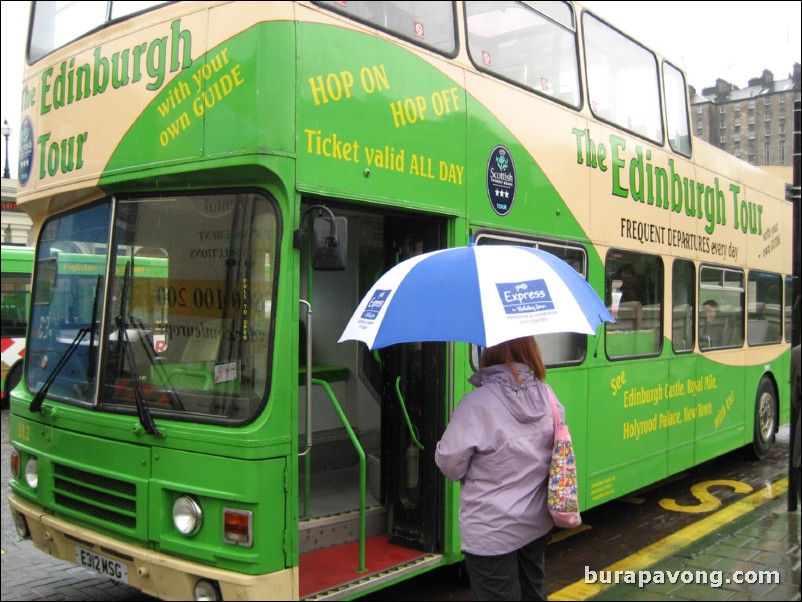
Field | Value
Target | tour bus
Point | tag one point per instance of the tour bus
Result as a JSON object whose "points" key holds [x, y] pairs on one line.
{"points": [[205, 436], [17, 265]]}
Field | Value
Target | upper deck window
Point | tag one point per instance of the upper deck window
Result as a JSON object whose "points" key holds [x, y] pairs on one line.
{"points": [[679, 136], [533, 48], [54, 24], [429, 24], [623, 83]]}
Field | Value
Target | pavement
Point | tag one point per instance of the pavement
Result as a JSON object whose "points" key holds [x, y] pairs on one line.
{"points": [[751, 551]]}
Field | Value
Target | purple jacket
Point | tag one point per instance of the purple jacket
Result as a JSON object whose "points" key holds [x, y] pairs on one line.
{"points": [[498, 445]]}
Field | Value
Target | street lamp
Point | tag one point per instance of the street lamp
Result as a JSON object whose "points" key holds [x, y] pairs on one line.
{"points": [[6, 134]]}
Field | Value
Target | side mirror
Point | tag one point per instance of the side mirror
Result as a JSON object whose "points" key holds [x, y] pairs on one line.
{"points": [[329, 243]]}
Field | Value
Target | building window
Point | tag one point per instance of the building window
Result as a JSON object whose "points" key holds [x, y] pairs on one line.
{"points": [[721, 110], [699, 110], [767, 150], [782, 153]]}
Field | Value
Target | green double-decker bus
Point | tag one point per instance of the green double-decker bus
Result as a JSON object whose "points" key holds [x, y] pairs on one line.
{"points": [[17, 266], [230, 178]]}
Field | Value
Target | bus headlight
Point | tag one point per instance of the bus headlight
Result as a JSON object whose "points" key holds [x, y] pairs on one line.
{"points": [[187, 515], [32, 473], [207, 590]]}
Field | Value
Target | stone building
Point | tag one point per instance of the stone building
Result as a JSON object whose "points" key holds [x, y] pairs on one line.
{"points": [[754, 123]]}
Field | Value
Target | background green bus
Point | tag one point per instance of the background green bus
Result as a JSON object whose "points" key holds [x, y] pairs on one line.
{"points": [[200, 433], [15, 297]]}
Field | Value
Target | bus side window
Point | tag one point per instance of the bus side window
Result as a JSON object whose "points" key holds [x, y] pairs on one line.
{"points": [[683, 298], [682, 328]]}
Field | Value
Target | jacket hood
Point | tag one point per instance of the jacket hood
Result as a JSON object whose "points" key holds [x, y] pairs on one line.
{"points": [[527, 400]]}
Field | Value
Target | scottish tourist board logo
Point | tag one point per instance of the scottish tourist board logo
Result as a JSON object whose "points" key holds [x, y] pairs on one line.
{"points": [[26, 138], [527, 297], [501, 180], [375, 304]]}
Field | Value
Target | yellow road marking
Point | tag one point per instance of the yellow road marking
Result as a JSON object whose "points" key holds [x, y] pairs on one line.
{"points": [[675, 542], [707, 501]]}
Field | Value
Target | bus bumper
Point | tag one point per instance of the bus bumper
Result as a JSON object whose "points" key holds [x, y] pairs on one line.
{"points": [[155, 574]]}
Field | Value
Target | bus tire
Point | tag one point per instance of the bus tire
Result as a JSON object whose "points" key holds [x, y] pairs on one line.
{"points": [[12, 380], [765, 420]]}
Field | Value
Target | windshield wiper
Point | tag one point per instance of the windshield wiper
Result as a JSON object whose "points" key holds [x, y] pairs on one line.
{"points": [[39, 398], [124, 345]]}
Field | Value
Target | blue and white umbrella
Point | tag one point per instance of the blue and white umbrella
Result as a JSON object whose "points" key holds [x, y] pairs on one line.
{"points": [[480, 294]]}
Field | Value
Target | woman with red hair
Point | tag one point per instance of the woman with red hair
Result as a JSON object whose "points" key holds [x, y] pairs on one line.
{"points": [[498, 446]]}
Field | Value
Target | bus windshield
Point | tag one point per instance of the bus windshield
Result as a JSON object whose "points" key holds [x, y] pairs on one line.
{"points": [[186, 321]]}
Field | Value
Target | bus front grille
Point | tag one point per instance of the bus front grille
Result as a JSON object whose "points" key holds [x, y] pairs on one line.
{"points": [[101, 498]]}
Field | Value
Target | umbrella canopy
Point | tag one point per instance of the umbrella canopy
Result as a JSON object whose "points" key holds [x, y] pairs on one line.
{"points": [[480, 294]]}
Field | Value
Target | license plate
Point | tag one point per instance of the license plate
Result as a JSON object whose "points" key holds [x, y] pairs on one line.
{"points": [[102, 564]]}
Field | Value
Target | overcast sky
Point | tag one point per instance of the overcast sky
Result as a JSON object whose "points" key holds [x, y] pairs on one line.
{"points": [[734, 41]]}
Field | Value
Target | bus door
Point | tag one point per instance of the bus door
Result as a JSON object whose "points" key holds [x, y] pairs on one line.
{"points": [[390, 400], [413, 394]]}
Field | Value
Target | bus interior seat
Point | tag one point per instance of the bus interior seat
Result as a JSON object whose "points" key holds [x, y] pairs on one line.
{"points": [[650, 317], [682, 326], [758, 329], [206, 347], [629, 315], [716, 334]]}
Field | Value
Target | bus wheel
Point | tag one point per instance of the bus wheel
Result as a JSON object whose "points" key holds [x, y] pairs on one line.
{"points": [[765, 420], [12, 380]]}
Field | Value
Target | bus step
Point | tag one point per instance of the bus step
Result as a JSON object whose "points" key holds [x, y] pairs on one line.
{"points": [[380, 574], [336, 529]]}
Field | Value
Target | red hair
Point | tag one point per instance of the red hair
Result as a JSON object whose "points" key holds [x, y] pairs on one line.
{"points": [[520, 351]]}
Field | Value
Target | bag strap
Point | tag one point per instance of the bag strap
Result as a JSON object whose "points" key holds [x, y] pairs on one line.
{"points": [[555, 412]]}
